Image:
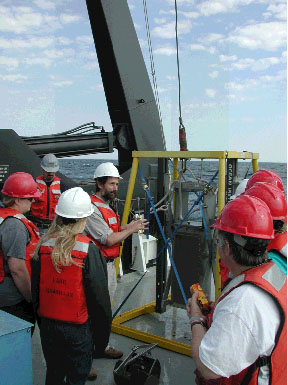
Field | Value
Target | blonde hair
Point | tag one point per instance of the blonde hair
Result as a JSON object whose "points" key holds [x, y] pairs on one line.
{"points": [[65, 231]]}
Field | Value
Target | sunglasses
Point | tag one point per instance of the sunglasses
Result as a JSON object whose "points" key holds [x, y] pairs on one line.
{"points": [[29, 199]]}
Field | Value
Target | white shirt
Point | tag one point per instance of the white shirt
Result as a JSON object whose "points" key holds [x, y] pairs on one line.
{"points": [[244, 327]]}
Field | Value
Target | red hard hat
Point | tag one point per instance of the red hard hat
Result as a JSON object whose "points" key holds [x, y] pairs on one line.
{"points": [[21, 185], [265, 176], [248, 216], [273, 197]]}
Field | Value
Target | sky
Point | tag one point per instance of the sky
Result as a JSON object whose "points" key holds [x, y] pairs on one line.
{"points": [[232, 56]]}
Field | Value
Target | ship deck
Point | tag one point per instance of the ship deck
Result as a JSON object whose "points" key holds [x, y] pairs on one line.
{"points": [[173, 324]]}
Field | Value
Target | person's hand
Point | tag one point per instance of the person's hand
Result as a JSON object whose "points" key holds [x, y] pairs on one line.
{"points": [[140, 224], [193, 309]]}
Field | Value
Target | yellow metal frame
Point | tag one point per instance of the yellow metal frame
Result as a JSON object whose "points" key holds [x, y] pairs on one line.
{"points": [[117, 326]]}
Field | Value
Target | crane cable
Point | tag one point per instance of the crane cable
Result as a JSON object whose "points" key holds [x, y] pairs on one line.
{"points": [[153, 71], [182, 132]]}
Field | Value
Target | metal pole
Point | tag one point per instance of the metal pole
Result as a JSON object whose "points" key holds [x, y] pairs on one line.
{"points": [[161, 262], [128, 204], [255, 165], [221, 203]]}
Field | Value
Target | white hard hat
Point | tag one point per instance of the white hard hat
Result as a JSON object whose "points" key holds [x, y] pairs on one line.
{"points": [[240, 189], [74, 203], [50, 163], [106, 169]]}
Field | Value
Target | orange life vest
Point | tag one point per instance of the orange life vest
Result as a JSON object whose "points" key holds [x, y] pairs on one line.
{"points": [[113, 221], [279, 243], [34, 238], [62, 295], [269, 278], [39, 207]]}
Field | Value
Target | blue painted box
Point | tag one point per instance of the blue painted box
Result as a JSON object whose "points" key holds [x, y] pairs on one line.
{"points": [[15, 351]]}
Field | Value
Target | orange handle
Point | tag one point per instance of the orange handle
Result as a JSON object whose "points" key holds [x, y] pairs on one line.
{"points": [[202, 298]]}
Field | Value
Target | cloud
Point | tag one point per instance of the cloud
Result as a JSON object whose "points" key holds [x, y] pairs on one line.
{"points": [[197, 47], [210, 92], [279, 11], [44, 4], [167, 31], [91, 65], [200, 47], [165, 12], [97, 87], [257, 65], [266, 36], [160, 20], [167, 51], [189, 15], [280, 76], [242, 85], [58, 54], [171, 77], [61, 40], [161, 90], [33, 42], [211, 38], [65, 18], [131, 6], [213, 7], [16, 78], [10, 63], [213, 74], [143, 43], [224, 58], [240, 98], [181, 2], [45, 62], [63, 83], [85, 39], [21, 20]]}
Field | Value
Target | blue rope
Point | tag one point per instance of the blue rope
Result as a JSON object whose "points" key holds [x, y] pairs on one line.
{"points": [[163, 236], [166, 241], [187, 214], [126, 298]]}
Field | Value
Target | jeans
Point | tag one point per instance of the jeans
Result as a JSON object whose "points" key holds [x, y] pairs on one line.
{"points": [[67, 349]]}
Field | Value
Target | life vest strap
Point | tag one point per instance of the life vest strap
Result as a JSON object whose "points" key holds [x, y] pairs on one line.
{"points": [[261, 361]]}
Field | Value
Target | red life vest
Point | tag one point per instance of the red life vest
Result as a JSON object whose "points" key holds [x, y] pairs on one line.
{"points": [[269, 278], [279, 243], [224, 273], [62, 295], [39, 207], [34, 238], [113, 221]]}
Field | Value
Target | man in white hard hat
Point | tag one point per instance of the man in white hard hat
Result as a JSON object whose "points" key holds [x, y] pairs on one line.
{"points": [[104, 228], [51, 187]]}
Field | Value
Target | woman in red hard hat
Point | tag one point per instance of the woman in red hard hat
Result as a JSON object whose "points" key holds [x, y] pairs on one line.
{"points": [[18, 239], [265, 176], [275, 200], [245, 341]]}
